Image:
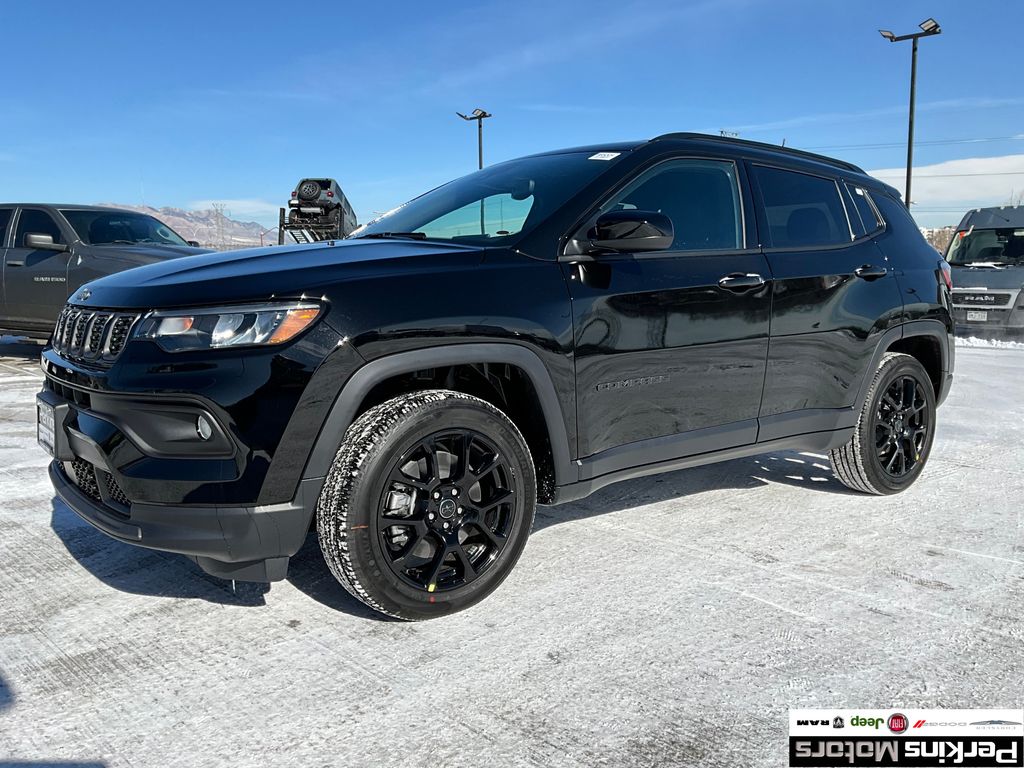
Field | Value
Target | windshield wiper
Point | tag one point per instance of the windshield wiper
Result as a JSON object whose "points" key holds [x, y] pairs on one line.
{"points": [[387, 235]]}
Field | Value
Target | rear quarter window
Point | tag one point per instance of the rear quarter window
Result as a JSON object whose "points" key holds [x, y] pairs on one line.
{"points": [[864, 218]]}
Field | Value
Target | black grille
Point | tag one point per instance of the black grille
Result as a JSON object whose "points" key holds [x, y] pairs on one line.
{"points": [[981, 299], [114, 491], [91, 334], [85, 479]]}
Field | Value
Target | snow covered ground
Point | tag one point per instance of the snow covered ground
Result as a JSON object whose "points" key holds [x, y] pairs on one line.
{"points": [[974, 341], [664, 621]]}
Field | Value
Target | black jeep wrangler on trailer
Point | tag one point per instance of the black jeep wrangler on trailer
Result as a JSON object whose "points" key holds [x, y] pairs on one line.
{"points": [[526, 334]]}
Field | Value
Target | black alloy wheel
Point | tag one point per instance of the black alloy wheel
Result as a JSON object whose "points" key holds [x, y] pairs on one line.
{"points": [[902, 426], [894, 432], [428, 504], [446, 511]]}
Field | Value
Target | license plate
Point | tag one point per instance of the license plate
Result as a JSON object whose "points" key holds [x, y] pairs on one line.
{"points": [[44, 426], [977, 317]]}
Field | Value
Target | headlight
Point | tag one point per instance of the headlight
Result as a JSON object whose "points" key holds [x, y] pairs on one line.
{"points": [[218, 327]]}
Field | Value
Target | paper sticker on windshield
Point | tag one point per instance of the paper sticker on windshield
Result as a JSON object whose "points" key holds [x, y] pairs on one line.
{"points": [[604, 156]]}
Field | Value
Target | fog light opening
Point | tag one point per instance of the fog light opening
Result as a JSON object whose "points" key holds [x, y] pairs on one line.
{"points": [[204, 428]]}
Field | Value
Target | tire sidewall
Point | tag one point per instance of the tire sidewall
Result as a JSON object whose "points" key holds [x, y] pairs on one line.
{"points": [[365, 551], [901, 366]]}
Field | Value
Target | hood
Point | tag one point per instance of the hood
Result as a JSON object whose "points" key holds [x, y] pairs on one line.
{"points": [[255, 274], [1010, 276]]}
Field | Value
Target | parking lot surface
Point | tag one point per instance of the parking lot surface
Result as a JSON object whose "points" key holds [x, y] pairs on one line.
{"points": [[670, 620]]}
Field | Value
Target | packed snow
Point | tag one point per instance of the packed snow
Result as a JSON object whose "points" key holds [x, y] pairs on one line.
{"points": [[670, 620]]}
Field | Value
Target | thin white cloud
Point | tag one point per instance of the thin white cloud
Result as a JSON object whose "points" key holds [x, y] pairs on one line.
{"points": [[969, 183], [829, 118], [240, 208]]}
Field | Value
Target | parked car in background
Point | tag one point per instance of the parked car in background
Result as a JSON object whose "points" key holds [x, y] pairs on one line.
{"points": [[320, 203], [48, 251], [526, 334], [987, 258]]}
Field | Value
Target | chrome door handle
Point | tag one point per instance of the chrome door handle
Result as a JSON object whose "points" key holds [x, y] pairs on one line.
{"points": [[740, 282], [870, 272]]}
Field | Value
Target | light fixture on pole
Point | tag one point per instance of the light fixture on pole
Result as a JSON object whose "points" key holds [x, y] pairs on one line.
{"points": [[929, 27], [479, 115]]}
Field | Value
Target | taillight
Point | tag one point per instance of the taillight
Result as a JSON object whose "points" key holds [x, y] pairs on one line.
{"points": [[293, 193], [330, 193], [947, 274]]}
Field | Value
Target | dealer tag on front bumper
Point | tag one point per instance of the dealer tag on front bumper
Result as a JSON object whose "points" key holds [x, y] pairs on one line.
{"points": [[45, 424]]}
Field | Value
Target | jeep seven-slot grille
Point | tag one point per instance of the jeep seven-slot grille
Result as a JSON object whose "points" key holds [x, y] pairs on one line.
{"points": [[92, 334]]}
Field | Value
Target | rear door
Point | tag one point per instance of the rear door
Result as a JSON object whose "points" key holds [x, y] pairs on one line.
{"points": [[834, 295], [671, 345], [36, 280]]}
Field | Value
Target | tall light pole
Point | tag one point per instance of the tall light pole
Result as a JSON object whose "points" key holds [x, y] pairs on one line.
{"points": [[929, 27], [479, 115]]}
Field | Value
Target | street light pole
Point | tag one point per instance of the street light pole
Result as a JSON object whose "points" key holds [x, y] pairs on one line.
{"points": [[479, 115], [929, 27]]}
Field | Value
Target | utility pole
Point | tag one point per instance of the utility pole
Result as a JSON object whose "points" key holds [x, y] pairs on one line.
{"points": [[929, 27], [479, 115]]}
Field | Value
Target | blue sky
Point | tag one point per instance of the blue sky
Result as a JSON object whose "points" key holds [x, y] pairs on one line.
{"points": [[181, 104]]}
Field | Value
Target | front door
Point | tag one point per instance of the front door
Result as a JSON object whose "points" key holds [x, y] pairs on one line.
{"points": [[36, 281], [6, 216], [834, 295], [671, 345]]}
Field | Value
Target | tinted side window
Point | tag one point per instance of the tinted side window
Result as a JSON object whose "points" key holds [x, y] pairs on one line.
{"points": [[700, 196], [5, 220], [35, 222], [802, 210], [865, 209]]}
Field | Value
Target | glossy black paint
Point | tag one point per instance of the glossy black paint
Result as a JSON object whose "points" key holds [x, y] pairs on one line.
{"points": [[652, 356]]}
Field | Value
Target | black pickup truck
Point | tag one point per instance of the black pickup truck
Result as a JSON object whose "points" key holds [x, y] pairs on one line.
{"points": [[48, 251], [526, 334]]}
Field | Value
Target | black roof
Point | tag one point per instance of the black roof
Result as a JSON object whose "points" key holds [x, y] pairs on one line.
{"points": [[994, 218], [752, 149]]}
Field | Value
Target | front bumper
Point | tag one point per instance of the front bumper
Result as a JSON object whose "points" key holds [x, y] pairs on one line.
{"points": [[242, 543]]}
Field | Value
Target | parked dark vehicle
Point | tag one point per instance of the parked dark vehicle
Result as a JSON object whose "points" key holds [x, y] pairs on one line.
{"points": [[48, 251], [321, 203], [987, 257], [526, 334]]}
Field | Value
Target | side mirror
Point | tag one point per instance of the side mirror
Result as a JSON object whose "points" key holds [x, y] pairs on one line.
{"points": [[632, 231], [193, 243], [43, 243]]}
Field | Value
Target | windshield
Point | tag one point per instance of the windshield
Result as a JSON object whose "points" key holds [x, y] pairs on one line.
{"points": [[987, 246], [120, 227], [493, 206]]}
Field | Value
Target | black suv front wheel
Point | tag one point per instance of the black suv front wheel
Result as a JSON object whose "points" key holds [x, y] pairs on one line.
{"points": [[428, 504], [894, 434]]}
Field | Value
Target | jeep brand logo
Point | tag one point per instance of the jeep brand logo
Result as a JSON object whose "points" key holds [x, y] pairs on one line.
{"points": [[83, 295]]}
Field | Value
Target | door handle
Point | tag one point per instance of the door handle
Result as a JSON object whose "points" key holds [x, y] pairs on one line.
{"points": [[741, 282], [870, 272], [15, 262]]}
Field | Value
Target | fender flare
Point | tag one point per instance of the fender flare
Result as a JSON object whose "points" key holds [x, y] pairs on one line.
{"points": [[931, 328], [359, 384]]}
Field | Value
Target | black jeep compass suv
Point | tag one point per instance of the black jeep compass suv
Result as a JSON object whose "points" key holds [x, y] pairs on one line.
{"points": [[526, 334]]}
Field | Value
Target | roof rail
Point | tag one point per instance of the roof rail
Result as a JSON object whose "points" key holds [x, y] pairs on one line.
{"points": [[761, 145]]}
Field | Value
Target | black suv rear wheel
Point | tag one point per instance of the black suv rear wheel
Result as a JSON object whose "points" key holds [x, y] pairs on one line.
{"points": [[894, 434], [428, 504]]}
